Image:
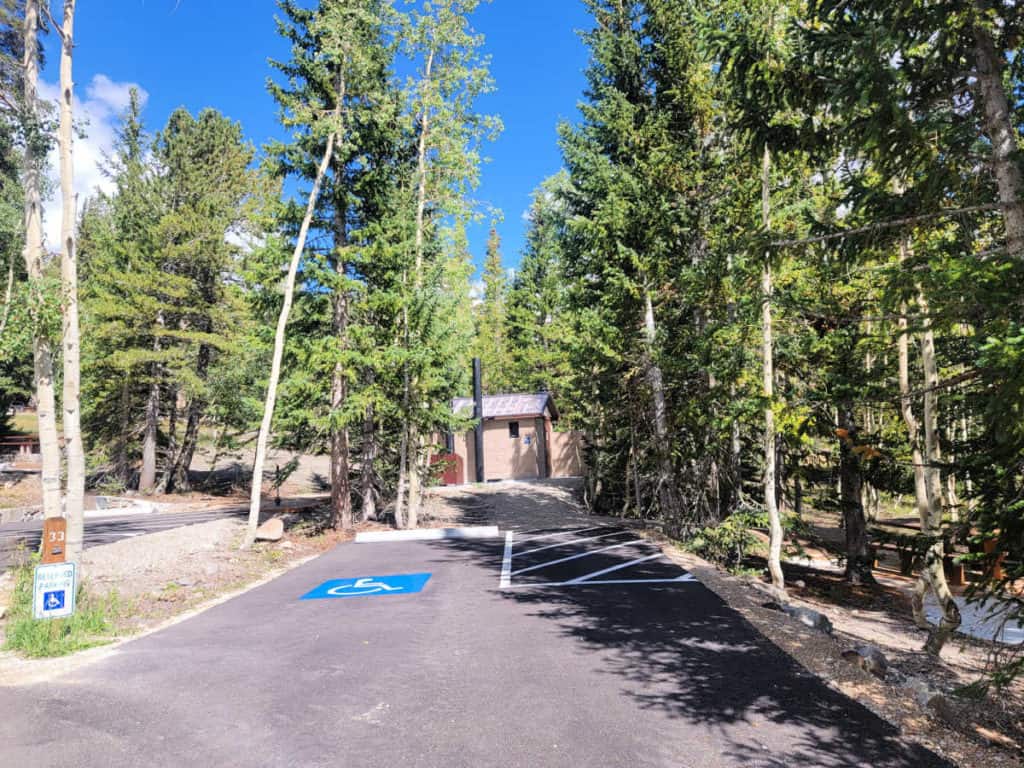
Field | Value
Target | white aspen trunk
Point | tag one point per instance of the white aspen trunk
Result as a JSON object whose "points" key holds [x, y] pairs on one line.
{"points": [[414, 443], [1002, 135], [147, 475], [256, 492], [369, 458], [403, 475], [917, 457], [933, 566], [42, 350], [668, 499], [768, 376], [74, 501], [8, 295]]}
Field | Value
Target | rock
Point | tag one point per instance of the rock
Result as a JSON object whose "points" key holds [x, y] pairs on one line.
{"points": [[287, 545], [870, 659], [272, 530], [920, 690], [800, 584], [810, 618], [184, 582], [944, 709], [3, 611]]}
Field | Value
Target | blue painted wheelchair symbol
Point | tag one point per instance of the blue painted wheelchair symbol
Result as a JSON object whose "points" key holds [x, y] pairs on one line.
{"points": [[370, 586], [53, 601]]}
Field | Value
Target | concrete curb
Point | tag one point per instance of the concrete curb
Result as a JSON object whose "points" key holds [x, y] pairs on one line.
{"points": [[429, 534]]}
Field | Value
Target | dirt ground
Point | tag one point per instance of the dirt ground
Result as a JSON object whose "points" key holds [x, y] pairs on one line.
{"points": [[985, 734]]}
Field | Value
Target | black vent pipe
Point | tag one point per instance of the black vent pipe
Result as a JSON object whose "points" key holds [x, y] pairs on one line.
{"points": [[478, 417]]}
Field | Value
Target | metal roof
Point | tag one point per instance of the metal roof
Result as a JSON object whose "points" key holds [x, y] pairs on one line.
{"points": [[505, 406]]}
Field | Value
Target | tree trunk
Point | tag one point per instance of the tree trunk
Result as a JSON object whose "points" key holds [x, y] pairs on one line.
{"points": [[171, 452], [668, 499], [262, 439], [735, 441], [932, 525], [147, 476], [914, 437], [403, 478], [8, 294], [1002, 134], [858, 561], [74, 501], [42, 350], [768, 377], [368, 470], [341, 491], [124, 430], [414, 443], [179, 480]]}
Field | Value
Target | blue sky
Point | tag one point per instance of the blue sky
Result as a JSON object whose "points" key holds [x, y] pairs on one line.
{"points": [[213, 53]]}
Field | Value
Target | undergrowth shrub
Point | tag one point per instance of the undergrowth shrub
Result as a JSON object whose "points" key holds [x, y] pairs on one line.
{"points": [[730, 541]]}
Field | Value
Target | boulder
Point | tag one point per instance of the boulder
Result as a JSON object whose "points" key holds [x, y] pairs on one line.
{"points": [[810, 618], [945, 710], [272, 530], [870, 659]]}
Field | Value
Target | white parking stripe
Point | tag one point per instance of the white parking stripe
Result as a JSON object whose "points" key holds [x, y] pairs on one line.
{"points": [[571, 541], [686, 578], [506, 561], [575, 557], [566, 532], [618, 567]]}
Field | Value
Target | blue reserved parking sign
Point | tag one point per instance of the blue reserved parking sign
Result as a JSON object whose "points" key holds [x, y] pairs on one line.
{"points": [[370, 586]]}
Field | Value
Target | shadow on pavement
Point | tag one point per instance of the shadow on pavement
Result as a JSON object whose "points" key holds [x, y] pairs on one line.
{"points": [[680, 650]]}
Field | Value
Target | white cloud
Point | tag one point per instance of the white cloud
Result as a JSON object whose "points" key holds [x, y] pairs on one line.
{"points": [[476, 292], [97, 117]]}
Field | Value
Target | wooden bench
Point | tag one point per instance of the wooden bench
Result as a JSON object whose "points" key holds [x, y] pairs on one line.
{"points": [[911, 548]]}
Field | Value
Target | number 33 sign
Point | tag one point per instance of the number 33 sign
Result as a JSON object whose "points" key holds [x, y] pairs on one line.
{"points": [[55, 531]]}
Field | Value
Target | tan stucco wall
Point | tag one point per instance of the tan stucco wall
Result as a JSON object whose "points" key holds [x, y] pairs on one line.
{"points": [[507, 458]]}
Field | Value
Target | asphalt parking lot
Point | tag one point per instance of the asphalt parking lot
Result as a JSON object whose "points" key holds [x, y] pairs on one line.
{"points": [[548, 647]]}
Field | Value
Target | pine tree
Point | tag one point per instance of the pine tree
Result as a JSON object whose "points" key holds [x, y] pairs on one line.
{"points": [[342, 53], [450, 75], [492, 344], [539, 339]]}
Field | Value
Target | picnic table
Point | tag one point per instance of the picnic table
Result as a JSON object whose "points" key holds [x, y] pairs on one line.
{"points": [[910, 544]]}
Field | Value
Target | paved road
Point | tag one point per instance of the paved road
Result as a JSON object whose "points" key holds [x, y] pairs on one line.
{"points": [[632, 664], [106, 530]]}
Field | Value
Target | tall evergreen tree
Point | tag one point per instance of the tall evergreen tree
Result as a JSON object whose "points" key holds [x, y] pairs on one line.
{"points": [[492, 344]]}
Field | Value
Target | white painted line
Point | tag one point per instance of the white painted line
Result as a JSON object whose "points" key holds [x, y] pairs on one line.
{"points": [[686, 578], [571, 541], [429, 534], [566, 532], [506, 561], [618, 567], [575, 557]]}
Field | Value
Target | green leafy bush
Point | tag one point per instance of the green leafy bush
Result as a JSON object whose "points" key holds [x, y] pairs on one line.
{"points": [[730, 541]]}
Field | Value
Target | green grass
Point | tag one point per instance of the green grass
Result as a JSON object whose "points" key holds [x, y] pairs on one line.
{"points": [[90, 626]]}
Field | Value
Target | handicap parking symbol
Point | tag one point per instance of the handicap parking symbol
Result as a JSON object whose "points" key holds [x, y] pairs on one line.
{"points": [[53, 601], [369, 586]]}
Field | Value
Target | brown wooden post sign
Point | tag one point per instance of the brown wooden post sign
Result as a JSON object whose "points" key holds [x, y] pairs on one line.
{"points": [[55, 531]]}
